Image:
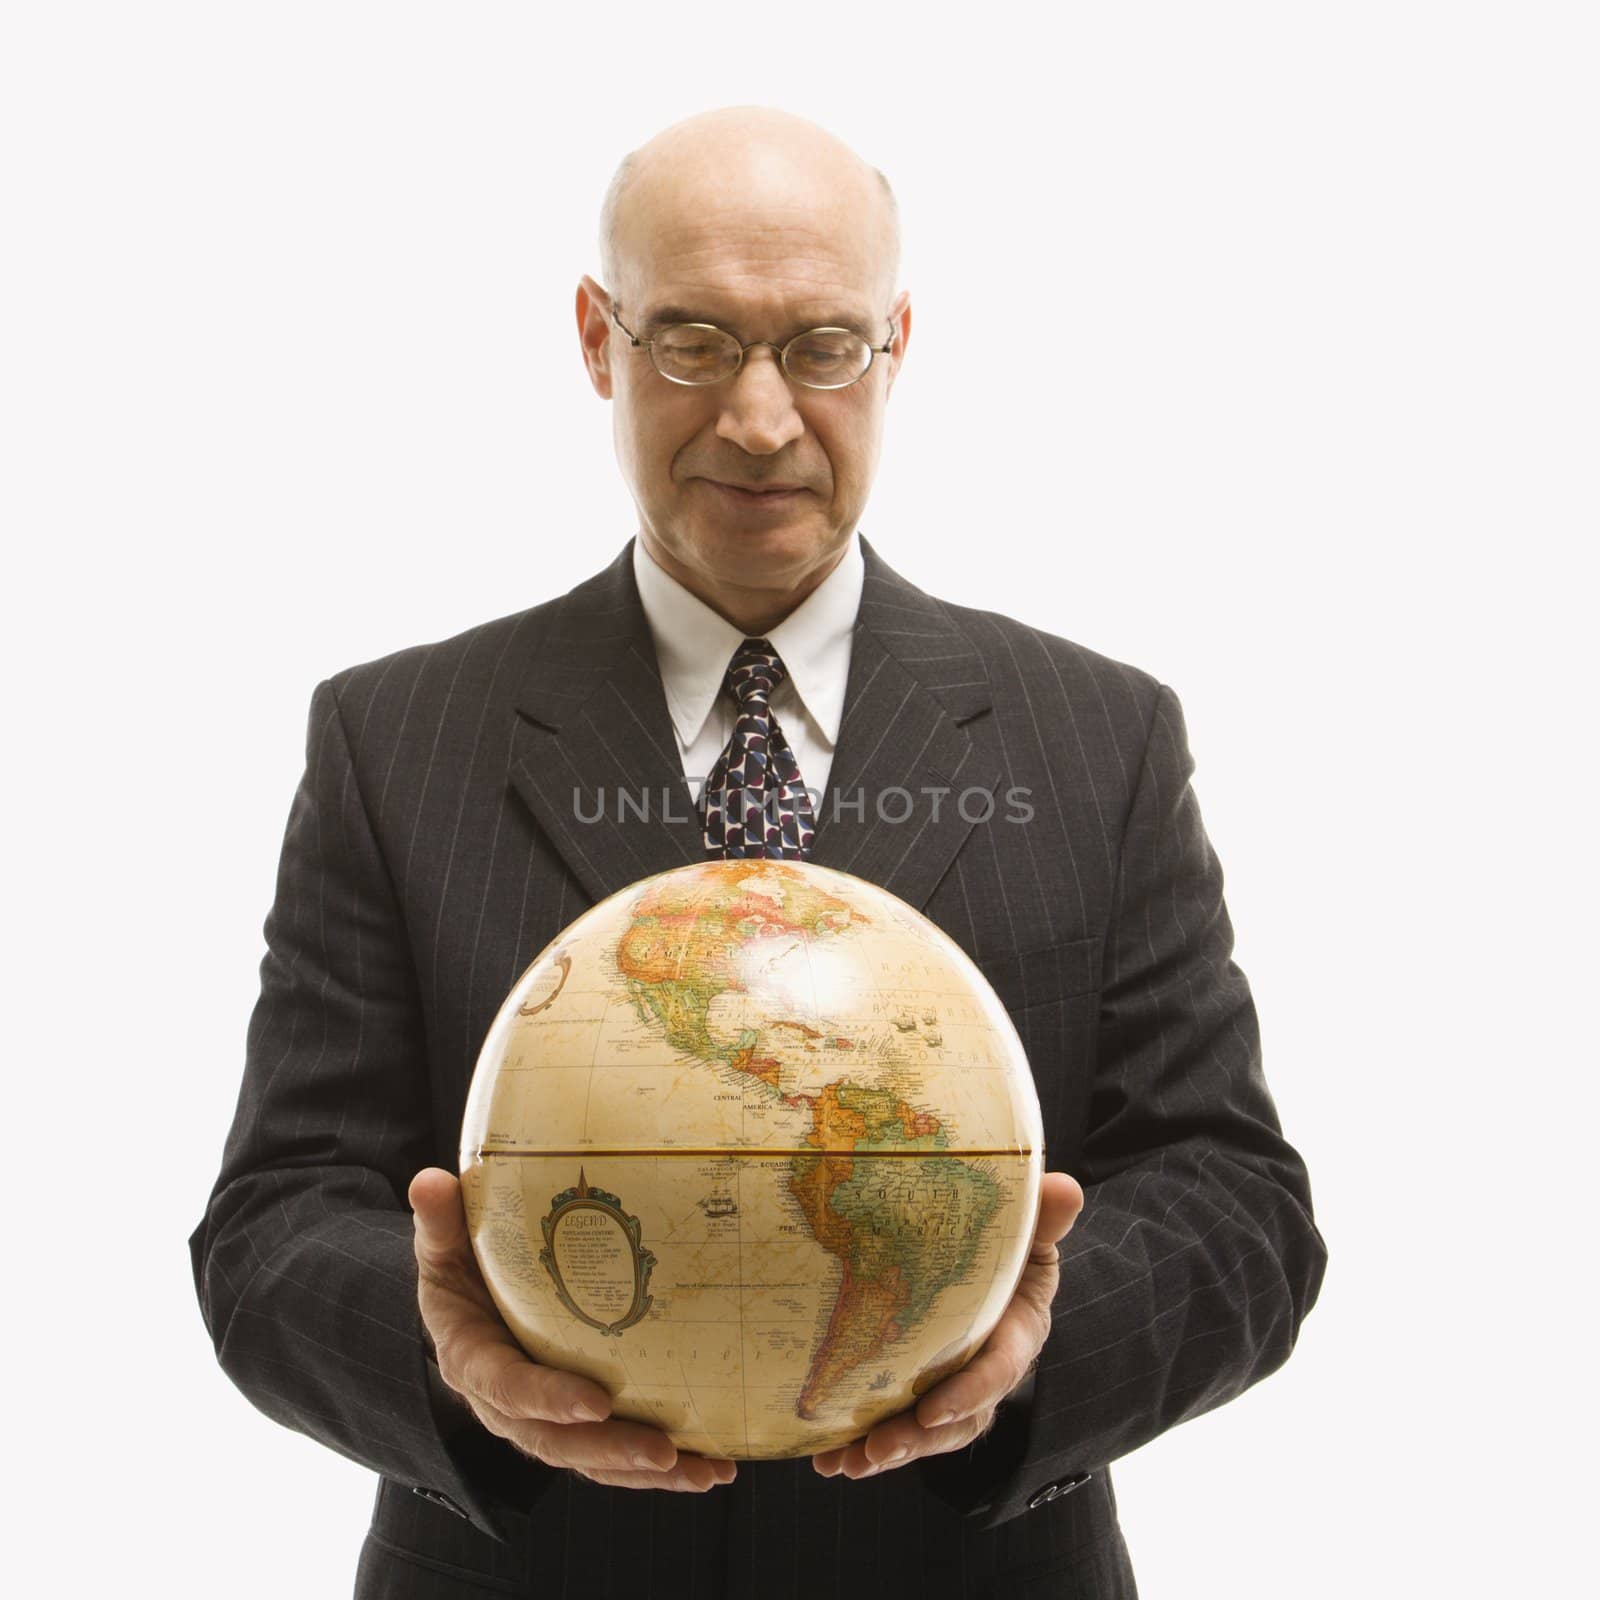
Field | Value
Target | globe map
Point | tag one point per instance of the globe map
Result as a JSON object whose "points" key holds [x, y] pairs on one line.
{"points": [[754, 1145]]}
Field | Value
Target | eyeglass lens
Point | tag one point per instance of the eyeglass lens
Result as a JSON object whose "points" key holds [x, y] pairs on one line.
{"points": [[827, 358]]}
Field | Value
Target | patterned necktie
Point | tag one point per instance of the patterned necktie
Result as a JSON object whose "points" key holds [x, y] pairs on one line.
{"points": [[755, 803]]}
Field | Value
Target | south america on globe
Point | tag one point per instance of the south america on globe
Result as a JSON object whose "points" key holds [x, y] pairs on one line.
{"points": [[754, 1145]]}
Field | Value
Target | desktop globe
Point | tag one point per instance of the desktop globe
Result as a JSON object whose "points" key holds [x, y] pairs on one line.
{"points": [[754, 1145]]}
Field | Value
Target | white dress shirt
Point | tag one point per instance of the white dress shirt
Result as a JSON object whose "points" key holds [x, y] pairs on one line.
{"points": [[694, 646]]}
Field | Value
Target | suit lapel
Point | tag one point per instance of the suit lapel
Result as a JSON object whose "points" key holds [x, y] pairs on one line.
{"points": [[907, 773], [596, 760], [595, 757]]}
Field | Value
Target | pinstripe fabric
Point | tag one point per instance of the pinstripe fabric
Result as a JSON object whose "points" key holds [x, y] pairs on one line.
{"points": [[442, 835]]}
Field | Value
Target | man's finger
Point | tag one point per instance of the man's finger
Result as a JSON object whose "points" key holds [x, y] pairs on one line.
{"points": [[615, 1446], [481, 1361], [896, 1443], [986, 1379], [692, 1475], [605, 1447]]}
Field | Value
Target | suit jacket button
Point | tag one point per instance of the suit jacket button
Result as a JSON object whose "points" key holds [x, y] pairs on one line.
{"points": [[1044, 1496], [437, 1497]]}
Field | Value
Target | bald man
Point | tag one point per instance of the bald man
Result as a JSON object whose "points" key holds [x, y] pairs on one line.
{"points": [[454, 817]]}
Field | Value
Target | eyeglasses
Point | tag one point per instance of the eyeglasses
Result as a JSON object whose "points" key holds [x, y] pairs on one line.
{"points": [[698, 353]]}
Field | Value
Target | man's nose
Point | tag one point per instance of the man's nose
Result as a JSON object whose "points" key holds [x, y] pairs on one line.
{"points": [[758, 410]]}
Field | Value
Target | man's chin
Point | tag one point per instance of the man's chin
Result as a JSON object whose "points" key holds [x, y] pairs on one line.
{"points": [[766, 540], [771, 556]]}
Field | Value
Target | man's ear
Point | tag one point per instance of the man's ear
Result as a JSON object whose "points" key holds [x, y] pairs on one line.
{"points": [[900, 316], [594, 334]]}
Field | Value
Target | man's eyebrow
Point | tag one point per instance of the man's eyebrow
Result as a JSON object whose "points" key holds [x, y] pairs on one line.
{"points": [[663, 316], [660, 317]]}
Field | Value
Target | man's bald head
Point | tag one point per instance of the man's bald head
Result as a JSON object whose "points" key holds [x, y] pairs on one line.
{"points": [[743, 163]]}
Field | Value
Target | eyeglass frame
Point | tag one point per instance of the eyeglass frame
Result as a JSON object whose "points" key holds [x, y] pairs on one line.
{"points": [[874, 351]]}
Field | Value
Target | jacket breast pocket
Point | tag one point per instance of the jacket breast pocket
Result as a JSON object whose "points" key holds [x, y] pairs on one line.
{"points": [[1054, 972]]}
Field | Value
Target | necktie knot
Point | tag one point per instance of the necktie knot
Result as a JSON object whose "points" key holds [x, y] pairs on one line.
{"points": [[755, 671], [755, 803]]}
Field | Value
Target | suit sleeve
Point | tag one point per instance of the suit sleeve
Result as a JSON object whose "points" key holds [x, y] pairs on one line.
{"points": [[303, 1262], [1196, 1258]]}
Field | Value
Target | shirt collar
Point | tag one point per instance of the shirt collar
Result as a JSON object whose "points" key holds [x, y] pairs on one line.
{"points": [[694, 645]]}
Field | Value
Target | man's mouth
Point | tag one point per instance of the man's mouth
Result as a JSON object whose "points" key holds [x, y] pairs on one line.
{"points": [[765, 494]]}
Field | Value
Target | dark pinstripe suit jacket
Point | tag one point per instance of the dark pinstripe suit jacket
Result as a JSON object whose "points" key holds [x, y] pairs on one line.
{"points": [[434, 848]]}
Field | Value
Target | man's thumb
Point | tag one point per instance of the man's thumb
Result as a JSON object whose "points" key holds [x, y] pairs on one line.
{"points": [[1060, 1201], [441, 1220]]}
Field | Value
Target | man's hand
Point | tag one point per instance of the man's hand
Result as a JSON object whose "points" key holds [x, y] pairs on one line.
{"points": [[960, 1409], [557, 1417]]}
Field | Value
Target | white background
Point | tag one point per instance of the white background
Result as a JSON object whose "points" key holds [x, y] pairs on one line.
{"points": [[1255, 344]]}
